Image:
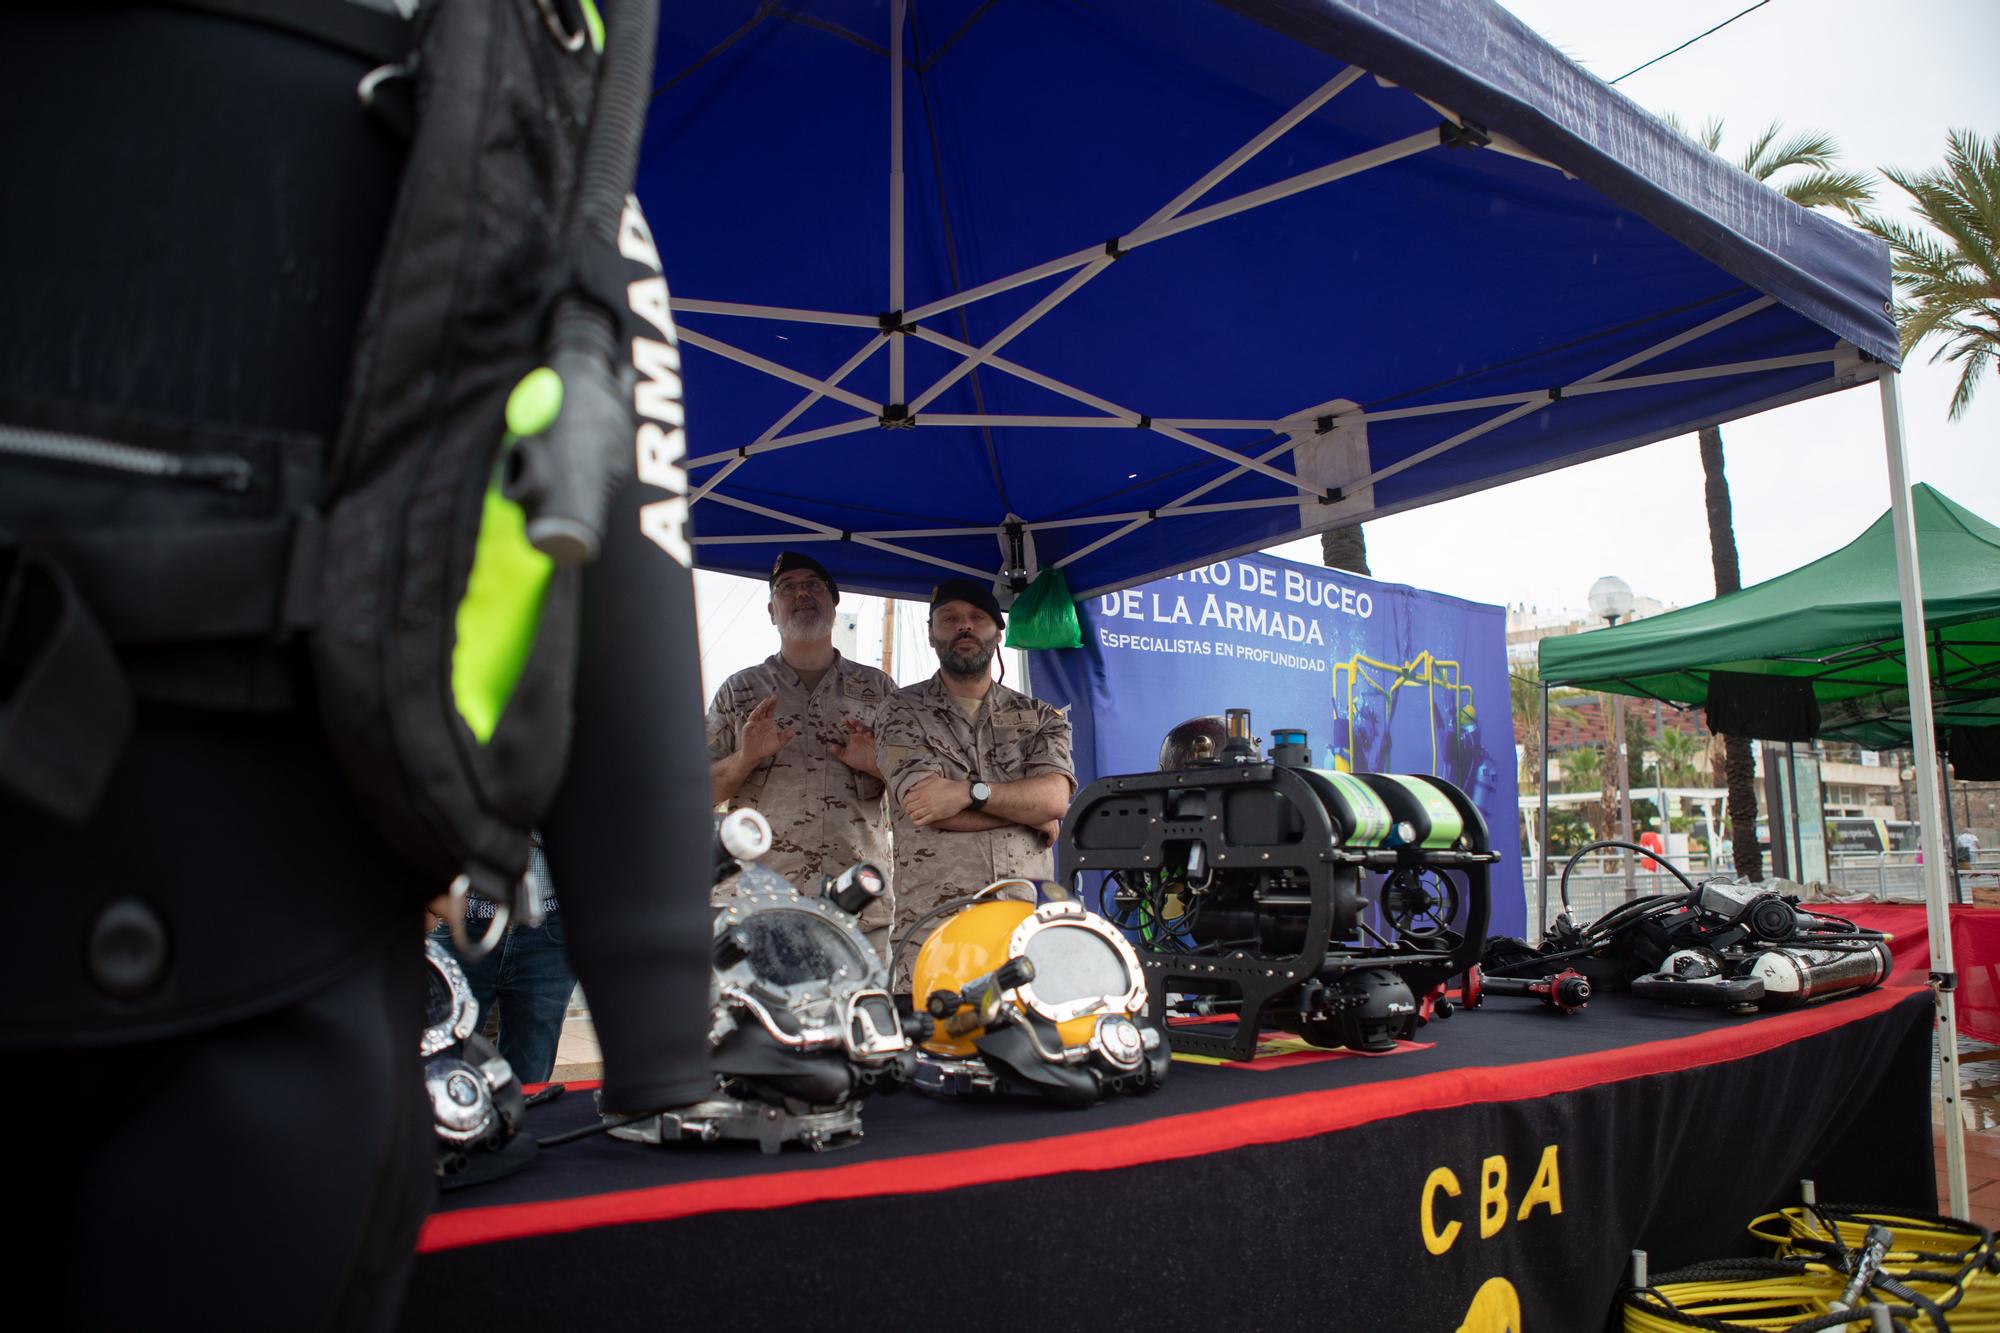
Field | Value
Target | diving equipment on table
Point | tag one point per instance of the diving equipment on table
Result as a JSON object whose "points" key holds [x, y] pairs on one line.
{"points": [[1045, 1000], [1720, 944], [1325, 903], [801, 1022], [476, 1101], [1567, 991]]}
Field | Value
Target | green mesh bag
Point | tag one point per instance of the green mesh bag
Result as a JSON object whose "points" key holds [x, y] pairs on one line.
{"points": [[1044, 616]]}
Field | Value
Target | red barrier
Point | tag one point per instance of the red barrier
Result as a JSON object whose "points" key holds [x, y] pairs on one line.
{"points": [[1975, 947]]}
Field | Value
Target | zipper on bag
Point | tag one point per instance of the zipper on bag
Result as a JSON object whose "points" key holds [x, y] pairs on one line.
{"points": [[226, 471]]}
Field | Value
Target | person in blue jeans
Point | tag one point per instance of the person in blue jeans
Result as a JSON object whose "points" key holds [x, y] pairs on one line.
{"points": [[526, 974]]}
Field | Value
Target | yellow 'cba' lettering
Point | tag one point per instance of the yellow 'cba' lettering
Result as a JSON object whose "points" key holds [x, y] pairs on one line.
{"points": [[1492, 1196], [1547, 1188], [1544, 1192], [1436, 1241]]}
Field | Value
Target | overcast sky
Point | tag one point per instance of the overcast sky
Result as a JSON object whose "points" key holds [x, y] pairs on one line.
{"points": [[1886, 81]]}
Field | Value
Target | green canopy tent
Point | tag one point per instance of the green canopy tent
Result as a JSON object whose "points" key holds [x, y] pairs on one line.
{"points": [[1847, 627], [1835, 624]]}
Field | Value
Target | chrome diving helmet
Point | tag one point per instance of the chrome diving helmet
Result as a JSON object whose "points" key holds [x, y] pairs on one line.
{"points": [[801, 1024], [477, 1105]]}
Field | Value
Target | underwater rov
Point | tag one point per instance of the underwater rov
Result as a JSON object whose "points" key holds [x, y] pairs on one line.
{"points": [[1333, 905]]}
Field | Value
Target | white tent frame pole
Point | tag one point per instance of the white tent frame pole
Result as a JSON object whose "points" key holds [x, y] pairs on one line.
{"points": [[776, 371], [1542, 832], [1120, 417], [1533, 400], [1588, 386], [1003, 419], [1160, 227], [896, 21], [1443, 446], [1923, 739], [1121, 414], [1394, 151], [700, 493], [1581, 388], [1020, 325], [827, 532], [1140, 520], [787, 441], [1264, 138], [1681, 339], [848, 367], [683, 305]]}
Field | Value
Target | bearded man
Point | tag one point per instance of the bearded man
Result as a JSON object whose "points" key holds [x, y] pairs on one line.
{"points": [[980, 775], [793, 738]]}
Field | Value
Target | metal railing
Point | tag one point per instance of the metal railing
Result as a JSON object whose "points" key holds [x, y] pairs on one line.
{"points": [[1598, 883]]}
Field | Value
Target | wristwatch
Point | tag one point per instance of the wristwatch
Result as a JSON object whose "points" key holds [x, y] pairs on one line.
{"points": [[981, 793]]}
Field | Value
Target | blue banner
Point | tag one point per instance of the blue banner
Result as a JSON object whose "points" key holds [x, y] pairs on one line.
{"points": [[1383, 678]]}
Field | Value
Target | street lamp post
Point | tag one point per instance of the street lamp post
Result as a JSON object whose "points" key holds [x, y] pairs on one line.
{"points": [[1611, 601]]}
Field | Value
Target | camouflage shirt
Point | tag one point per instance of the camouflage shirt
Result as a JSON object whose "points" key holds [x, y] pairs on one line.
{"points": [[924, 729], [824, 815]]}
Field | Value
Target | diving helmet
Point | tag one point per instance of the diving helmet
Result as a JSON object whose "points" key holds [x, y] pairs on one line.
{"points": [[801, 1025], [1209, 740], [477, 1105], [1044, 999]]}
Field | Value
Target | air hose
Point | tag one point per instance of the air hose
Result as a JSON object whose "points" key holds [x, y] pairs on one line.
{"points": [[565, 476], [1835, 1267]]}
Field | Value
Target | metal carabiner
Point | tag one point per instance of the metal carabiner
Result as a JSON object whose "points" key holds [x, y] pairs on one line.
{"points": [[503, 913]]}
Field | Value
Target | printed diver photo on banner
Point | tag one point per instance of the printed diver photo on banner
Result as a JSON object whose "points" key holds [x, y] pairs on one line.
{"points": [[1381, 677]]}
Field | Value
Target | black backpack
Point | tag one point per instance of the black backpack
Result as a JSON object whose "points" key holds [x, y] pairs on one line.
{"points": [[491, 408]]}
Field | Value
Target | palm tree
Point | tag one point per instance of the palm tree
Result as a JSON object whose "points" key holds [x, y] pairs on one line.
{"points": [[1582, 768], [1948, 272], [1677, 759], [1811, 180], [1524, 695]]}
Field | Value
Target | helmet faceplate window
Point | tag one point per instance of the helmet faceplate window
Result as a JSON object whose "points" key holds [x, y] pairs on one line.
{"points": [[790, 948], [1074, 964]]}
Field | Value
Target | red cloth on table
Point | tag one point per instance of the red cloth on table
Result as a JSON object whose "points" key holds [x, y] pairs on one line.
{"points": [[1975, 948]]}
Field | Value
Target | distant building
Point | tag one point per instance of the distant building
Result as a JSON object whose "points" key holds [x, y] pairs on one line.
{"points": [[847, 634], [1529, 625]]}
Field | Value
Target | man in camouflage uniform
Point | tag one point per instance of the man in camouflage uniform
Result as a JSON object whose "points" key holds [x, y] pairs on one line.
{"points": [[793, 738], [980, 775]]}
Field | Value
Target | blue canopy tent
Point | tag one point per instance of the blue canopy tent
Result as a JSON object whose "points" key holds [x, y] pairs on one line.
{"points": [[982, 286], [1233, 273]]}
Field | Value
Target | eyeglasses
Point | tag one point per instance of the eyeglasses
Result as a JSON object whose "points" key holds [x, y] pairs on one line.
{"points": [[791, 587]]}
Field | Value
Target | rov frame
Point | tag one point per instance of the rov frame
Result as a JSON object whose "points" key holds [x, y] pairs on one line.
{"points": [[1243, 818]]}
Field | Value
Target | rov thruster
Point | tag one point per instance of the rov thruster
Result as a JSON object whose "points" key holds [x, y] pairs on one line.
{"points": [[1264, 891]]}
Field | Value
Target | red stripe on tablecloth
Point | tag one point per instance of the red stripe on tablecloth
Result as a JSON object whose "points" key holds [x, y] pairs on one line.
{"points": [[1195, 1134]]}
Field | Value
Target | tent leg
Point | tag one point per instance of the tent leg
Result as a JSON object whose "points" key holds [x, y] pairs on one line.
{"points": [[896, 340], [1542, 834], [1950, 830], [1923, 736]]}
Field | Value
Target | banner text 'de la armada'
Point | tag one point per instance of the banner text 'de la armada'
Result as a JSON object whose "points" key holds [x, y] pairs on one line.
{"points": [[1383, 678]]}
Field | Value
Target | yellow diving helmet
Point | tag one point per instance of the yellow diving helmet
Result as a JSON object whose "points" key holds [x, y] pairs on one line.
{"points": [[1043, 999]]}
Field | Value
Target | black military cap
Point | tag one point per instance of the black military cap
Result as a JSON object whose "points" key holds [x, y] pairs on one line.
{"points": [[788, 560], [966, 590]]}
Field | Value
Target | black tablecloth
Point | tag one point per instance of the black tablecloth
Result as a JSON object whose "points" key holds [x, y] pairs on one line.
{"points": [[1512, 1155]]}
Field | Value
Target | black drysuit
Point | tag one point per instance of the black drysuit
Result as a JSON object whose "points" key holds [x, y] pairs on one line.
{"points": [[193, 208]]}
